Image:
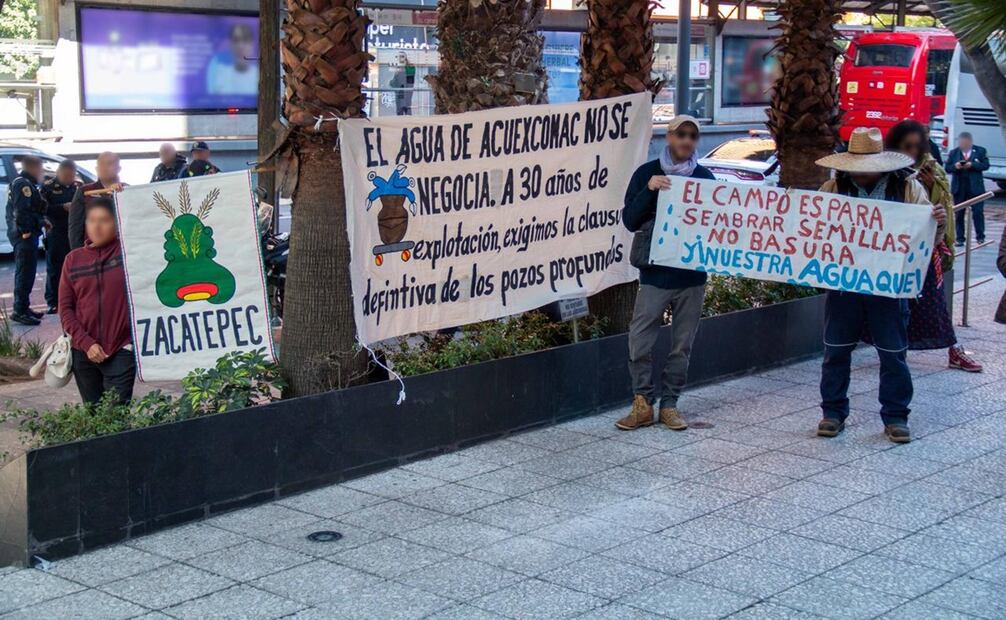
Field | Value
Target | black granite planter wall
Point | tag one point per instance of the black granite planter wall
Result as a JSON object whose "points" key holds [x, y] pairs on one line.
{"points": [[62, 500]]}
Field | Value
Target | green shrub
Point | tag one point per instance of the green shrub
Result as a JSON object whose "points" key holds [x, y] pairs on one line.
{"points": [[10, 343], [727, 294], [488, 340], [237, 380]]}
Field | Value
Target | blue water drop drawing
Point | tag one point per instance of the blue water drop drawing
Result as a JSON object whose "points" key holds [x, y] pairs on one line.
{"points": [[922, 246], [675, 230], [660, 241], [911, 257], [669, 209], [665, 226]]}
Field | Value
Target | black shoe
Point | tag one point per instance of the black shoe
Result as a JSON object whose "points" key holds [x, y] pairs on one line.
{"points": [[37, 315], [981, 240], [25, 319], [959, 244], [829, 427], [52, 310], [898, 433]]}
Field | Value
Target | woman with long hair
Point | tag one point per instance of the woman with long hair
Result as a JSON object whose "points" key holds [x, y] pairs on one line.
{"points": [[930, 326]]}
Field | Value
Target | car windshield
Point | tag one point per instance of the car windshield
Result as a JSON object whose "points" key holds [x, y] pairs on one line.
{"points": [[751, 149], [884, 55]]}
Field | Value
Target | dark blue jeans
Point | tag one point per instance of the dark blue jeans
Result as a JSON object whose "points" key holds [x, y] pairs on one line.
{"points": [[25, 264], [57, 246], [977, 214], [846, 316]]}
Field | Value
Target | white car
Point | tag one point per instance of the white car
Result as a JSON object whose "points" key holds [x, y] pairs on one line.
{"points": [[10, 167], [751, 160]]}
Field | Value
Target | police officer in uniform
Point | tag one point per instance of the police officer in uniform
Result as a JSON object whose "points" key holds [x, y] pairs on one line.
{"points": [[58, 193], [25, 216], [200, 164]]}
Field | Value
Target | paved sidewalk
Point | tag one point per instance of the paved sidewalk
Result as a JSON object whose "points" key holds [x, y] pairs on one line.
{"points": [[752, 518]]}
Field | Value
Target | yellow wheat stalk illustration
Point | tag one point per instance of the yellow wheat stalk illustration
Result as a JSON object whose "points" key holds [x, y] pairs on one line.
{"points": [[204, 208], [180, 238], [165, 206], [184, 200], [194, 240]]}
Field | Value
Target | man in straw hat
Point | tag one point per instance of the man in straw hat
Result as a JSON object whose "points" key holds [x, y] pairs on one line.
{"points": [[659, 287], [867, 171]]}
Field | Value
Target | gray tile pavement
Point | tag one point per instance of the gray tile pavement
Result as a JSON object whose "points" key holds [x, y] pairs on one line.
{"points": [[753, 518]]}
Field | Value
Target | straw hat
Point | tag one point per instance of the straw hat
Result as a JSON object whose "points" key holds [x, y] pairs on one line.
{"points": [[866, 154]]}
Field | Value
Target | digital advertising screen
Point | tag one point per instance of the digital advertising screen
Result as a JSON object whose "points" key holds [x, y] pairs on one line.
{"points": [[145, 60], [749, 71]]}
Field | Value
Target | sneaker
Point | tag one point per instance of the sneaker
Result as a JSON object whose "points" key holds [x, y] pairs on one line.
{"points": [[672, 419], [898, 433], [960, 360], [829, 427], [640, 416], [25, 319], [52, 310]]}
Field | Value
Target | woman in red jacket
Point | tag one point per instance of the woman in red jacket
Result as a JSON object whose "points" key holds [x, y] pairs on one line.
{"points": [[94, 309]]}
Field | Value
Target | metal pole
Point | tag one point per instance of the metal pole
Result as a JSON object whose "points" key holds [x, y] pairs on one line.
{"points": [[576, 331], [902, 11], [967, 265], [681, 94], [268, 95]]}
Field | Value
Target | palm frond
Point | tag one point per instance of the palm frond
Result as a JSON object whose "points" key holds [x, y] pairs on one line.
{"points": [[204, 208], [184, 200], [165, 206], [975, 22]]}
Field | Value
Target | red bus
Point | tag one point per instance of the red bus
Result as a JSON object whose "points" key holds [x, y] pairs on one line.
{"points": [[887, 77]]}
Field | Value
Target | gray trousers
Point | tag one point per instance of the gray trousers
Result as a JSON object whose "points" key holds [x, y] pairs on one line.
{"points": [[647, 319]]}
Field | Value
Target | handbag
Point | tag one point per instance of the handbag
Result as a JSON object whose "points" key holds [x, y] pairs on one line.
{"points": [[55, 364]]}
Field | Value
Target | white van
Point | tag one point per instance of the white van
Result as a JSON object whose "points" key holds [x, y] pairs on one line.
{"points": [[969, 110]]}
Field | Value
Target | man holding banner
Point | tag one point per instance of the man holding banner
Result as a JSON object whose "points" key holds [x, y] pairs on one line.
{"points": [[867, 171], [659, 286]]}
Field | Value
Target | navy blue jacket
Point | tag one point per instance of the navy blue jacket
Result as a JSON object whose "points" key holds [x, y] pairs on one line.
{"points": [[639, 215], [25, 207], [968, 183]]}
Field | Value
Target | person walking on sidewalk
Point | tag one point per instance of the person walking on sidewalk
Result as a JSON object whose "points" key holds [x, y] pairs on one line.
{"points": [[966, 163], [108, 168], [58, 193], [865, 170], [930, 326], [25, 216], [682, 290], [94, 309]]}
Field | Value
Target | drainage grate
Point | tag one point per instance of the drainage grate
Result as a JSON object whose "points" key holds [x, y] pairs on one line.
{"points": [[324, 536]]}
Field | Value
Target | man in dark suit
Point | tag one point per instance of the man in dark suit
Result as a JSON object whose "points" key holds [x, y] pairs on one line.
{"points": [[966, 163]]}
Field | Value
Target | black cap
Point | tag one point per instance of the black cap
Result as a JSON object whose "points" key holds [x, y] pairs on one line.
{"points": [[200, 146]]}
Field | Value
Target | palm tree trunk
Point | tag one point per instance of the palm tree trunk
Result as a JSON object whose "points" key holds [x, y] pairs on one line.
{"points": [[490, 55], [324, 64], [804, 114], [616, 58]]}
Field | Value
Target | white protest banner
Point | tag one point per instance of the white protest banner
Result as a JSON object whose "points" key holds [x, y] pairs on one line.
{"points": [[795, 236], [194, 272], [466, 217]]}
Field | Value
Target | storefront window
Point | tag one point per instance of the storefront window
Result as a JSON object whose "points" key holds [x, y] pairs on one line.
{"points": [[749, 71], [665, 67], [403, 56]]}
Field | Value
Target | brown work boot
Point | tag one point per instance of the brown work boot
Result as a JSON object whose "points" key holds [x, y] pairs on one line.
{"points": [[672, 419], [640, 416]]}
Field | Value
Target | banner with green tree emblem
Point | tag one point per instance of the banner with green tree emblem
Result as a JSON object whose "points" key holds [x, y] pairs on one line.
{"points": [[194, 272]]}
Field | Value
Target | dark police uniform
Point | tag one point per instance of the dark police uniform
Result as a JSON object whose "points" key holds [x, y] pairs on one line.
{"points": [[57, 240], [25, 215], [198, 168], [168, 173]]}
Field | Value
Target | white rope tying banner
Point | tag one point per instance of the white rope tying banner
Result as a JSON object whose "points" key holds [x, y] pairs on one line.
{"points": [[319, 120], [392, 373]]}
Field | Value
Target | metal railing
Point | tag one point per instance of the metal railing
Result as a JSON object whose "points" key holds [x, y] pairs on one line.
{"points": [[966, 289]]}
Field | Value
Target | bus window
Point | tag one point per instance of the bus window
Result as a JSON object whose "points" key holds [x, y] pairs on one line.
{"points": [[884, 55], [937, 70], [968, 69]]}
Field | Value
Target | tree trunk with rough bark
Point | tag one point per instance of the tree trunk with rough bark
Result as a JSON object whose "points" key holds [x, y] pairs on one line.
{"points": [[490, 55], [804, 115], [616, 58], [324, 65]]}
